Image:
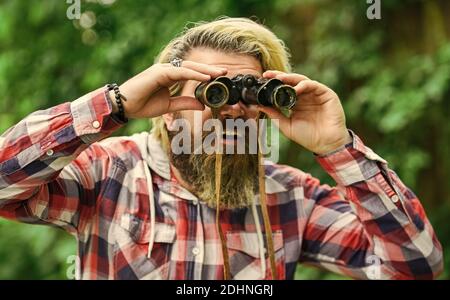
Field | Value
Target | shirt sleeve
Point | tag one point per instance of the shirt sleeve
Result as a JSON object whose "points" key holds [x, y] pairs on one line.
{"points": [[371, 225], [49, 169]]}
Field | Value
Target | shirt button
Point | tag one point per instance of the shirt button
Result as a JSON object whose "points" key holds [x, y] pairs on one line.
{"points": [[195, 251], [195, 201], [96, 124], [395, 198], [49, 152]]}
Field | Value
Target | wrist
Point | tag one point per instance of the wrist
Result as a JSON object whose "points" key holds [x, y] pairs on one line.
{"points": [[333, 147], [349, 165], [114, 107], [115, 98]]}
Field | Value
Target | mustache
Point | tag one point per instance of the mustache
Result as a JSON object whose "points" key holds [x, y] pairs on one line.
{"points": [[214, 132], [224, 122]]}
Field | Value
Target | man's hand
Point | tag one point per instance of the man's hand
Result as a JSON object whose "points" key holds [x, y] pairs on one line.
{"points": [[317, 121], [148, 93]]}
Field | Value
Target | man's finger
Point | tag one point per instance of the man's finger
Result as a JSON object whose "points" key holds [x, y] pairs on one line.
{"points": [[291, 79], [175, 74], [274, 114], [213, 71], [272, 73], [184, 103], [308, 86]]}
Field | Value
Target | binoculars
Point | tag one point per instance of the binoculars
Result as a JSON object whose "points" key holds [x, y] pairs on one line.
{"points": [[248, 89]]}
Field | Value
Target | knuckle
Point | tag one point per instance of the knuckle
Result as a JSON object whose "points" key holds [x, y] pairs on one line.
{"points": [[158, 68], [160, 65]]}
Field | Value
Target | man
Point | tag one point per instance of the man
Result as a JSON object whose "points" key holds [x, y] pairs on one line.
{"points": [[141, 211]]}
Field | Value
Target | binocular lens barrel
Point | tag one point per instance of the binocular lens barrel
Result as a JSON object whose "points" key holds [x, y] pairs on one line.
{"points": [[248, 89], [273, 92], [284, 96], [213, 94]]}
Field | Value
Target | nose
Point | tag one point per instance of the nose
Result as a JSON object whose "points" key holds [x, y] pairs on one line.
{"points": [[231, 111]]}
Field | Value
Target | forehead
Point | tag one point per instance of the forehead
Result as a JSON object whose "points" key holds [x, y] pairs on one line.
{"points": [[234, 63]]}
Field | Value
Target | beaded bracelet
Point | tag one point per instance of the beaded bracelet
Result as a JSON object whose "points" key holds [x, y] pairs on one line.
{"points": [[118, 97]]}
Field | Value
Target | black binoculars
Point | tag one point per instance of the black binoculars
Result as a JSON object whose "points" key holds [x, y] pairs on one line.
{"points": [[248, 89]]}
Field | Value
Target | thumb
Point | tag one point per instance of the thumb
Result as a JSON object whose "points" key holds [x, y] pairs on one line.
{"points": [[274, 114], [184, 103]]}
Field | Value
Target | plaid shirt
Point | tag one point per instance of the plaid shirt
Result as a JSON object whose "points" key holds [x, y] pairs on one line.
{"points": [[119, 197]]}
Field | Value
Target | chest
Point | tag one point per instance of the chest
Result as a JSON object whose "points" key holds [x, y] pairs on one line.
{"points": [[184, 238]]}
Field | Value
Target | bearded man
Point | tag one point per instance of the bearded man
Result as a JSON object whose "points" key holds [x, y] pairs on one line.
{"points": [[141, 211]]}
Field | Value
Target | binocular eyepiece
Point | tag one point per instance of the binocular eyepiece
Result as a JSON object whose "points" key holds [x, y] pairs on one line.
{"points": [[248, 89]]}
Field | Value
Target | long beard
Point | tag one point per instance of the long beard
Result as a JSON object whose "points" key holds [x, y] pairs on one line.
{"points": [[239, 176]]}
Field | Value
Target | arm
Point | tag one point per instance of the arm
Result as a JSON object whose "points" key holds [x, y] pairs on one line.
{"points": [[47, 172], [41, 178], [378, 231], [380, 221]]}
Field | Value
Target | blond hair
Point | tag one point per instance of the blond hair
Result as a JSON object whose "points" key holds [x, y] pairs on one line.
{"points": [[229, 35]]}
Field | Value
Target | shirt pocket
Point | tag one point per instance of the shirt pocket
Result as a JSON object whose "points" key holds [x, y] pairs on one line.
{"points": [[244, 252], [132, 242]]}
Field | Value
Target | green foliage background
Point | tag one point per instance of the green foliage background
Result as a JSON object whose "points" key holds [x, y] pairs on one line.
{"points": [[392, 76]]}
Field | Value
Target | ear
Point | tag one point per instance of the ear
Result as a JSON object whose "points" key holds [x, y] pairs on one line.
{"points": [[168, 119]]}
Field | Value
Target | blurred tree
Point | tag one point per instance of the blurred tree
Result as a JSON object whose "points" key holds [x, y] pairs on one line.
{"points": [[391, 74]]}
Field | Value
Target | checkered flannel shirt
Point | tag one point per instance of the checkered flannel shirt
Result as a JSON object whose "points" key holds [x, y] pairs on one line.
{"points": [[54, 170]]}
